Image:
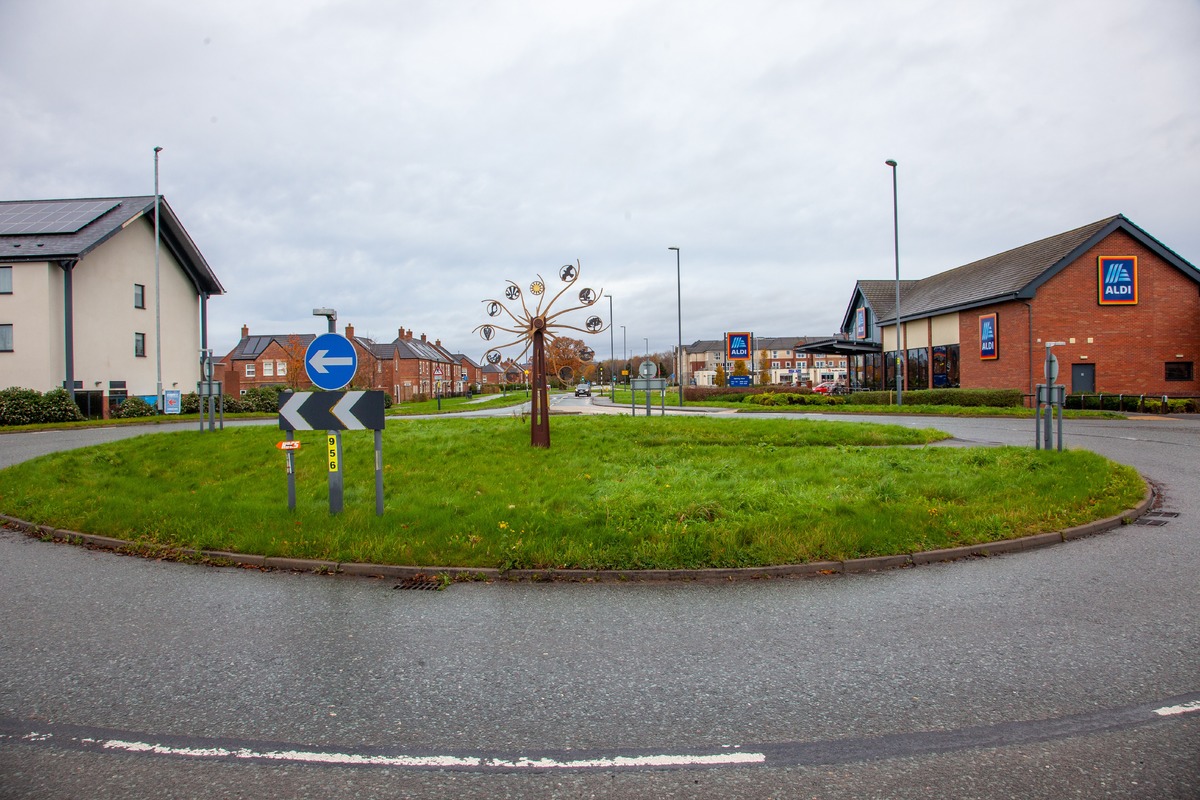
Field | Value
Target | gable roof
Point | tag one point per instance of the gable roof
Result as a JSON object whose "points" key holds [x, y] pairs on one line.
{"points": [[1014, 274], [54, 230], [249, 348]]}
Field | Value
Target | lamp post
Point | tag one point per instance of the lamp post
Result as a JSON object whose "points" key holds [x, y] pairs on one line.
{"points": [[624, 358], [646, 339], [679, 306], [612, 350], [901, 353], [157, 296]]}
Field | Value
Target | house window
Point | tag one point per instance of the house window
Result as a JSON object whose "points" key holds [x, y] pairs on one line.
{"points": [[5, 280], [6, 338], [250, 370], [774, 365], [1176, 370], [281, 368], [139, 296], [139, 345], [268, 369]]}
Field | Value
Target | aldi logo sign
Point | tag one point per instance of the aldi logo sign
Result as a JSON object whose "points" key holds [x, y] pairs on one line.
{"points": [[860, 323], [1118, 281], [737, 346], [989, 346]]}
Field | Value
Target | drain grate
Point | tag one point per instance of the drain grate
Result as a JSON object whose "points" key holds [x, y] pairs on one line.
{"points": [[1154, 523], [1171, 514], [421, 583]]}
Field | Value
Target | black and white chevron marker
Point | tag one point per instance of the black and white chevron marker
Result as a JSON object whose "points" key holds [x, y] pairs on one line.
{"points": [[331, 411]]}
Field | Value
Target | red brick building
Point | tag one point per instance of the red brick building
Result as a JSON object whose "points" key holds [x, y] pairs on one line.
{"points": [[1125, 307], [406, 368]]}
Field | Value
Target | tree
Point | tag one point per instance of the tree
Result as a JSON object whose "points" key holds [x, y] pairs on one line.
{"points": [[739, 367], [294, 358], [720, 378], [561, 352], [764, 368]]}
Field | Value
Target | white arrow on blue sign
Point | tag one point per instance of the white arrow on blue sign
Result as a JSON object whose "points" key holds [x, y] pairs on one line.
{"points": [[330, 361]]}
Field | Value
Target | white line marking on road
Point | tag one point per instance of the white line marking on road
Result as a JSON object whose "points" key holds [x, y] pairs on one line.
{"points": [[352, 759], [1186, 708]]}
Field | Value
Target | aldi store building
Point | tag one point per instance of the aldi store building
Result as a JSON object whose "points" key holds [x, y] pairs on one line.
{"points": [[1125, 307]]}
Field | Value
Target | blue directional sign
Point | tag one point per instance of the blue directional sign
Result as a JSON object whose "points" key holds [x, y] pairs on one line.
{"points": [[330, 361]]}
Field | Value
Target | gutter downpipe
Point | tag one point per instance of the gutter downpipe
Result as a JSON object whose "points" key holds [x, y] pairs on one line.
{"points": [[1029, 314], [68, 268]]}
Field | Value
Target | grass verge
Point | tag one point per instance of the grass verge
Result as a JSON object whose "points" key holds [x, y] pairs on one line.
{"points": [[612, 492]]}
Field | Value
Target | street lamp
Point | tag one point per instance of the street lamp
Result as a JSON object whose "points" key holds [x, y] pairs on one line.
{"points": [[612, 350], [900, 351], [157, 294], [679, 304], [624, 358], [329, 314]]}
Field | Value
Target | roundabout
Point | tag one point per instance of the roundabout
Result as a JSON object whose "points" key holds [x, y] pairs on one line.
{"points": [[1045, 673]]}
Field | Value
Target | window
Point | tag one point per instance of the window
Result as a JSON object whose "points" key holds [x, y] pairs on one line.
{"points": [[1176, 370], [6, 338], [268, 369], [139, 345], [281, 368], [139, 296], [5, 280], [250, 370]]}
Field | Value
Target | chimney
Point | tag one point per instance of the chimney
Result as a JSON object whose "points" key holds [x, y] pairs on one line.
{"points": [[245, 331], [422, 337], [400, 334], [437, 342], [349, 331]]}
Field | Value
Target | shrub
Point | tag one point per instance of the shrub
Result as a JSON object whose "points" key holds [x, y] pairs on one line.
{"points": [[20, 406], [264, 399], [133, 407], [58, 406]]}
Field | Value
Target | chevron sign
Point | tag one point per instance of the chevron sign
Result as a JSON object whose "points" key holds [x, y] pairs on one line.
{"points": [[331, 411]]}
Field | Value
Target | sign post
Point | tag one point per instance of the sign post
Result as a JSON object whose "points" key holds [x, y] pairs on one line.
{"points": [[331, 362], [1053, 397], [334, 412]]}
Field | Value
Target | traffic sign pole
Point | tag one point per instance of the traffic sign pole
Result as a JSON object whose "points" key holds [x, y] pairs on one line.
{"points": [[291, 473], [333, 440]]}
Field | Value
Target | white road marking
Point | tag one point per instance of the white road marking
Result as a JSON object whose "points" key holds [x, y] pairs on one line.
{"points": [[1186, 708], [353, 759]]}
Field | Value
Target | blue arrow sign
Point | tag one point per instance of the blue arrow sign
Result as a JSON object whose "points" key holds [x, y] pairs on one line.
{"points": [[330, 361]]}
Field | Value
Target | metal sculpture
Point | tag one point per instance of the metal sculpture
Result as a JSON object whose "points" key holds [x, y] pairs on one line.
{"points": [[532, 329]]}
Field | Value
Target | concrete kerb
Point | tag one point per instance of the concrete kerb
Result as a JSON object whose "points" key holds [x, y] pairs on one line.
{"points": [[811, 569]]}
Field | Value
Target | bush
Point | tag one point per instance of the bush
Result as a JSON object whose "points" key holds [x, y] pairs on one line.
{"points": [[263, 399], [794, 399], [20, 406], [133, 407], [57, 406]]}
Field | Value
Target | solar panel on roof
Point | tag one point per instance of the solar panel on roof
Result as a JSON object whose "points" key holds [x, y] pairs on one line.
{"points": [[66, 217]]}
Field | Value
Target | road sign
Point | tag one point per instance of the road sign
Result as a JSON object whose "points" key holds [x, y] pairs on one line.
{"points": [[330, 361], [331, 411], [291, 444], [172, 399], [437, 373], [648, 369]]}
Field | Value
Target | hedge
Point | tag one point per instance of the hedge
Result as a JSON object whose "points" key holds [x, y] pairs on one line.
{"points": [[28, 406], [991, 398]]}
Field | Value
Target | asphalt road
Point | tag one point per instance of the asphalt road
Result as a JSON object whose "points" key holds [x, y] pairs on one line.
{"points": [[1072, 671]]}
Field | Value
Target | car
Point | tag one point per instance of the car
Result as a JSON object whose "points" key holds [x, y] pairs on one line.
{"points": [[583, 390], [830, 387]]}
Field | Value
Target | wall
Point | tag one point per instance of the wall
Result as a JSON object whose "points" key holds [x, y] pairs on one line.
{"points": [[1127, 344], [35, 310]]}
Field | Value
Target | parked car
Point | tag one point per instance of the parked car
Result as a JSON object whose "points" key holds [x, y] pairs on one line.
{"points": [[830, 387], [583, 390]]}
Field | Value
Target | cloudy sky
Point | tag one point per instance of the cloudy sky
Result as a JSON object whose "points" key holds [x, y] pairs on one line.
{"points": [[400, 160]]}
